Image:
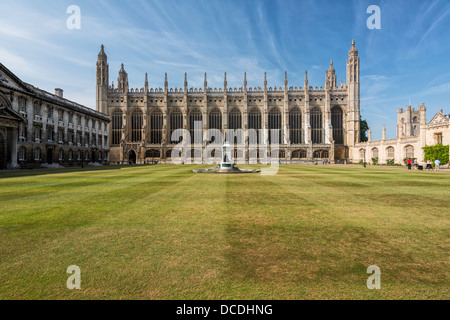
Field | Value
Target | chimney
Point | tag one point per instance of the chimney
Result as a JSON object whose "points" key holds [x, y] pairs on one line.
{"points": [[59, 92]]}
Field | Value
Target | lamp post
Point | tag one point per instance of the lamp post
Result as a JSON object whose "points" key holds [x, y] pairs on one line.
{"points": [[364, 163]]}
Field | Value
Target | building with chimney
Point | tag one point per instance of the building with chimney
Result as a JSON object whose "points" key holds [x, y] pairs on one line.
{"points": [[38, 128]]}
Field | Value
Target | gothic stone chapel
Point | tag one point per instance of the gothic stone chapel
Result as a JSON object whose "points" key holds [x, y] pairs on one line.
{"points": [[312, 123]]}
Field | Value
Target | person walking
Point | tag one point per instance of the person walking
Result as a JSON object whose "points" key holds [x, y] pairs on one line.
{"points": [[409, 163], [437, 163], [429, 167]]}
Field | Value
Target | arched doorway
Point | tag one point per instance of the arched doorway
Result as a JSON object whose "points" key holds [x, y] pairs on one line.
{"points": [[132, 157]]}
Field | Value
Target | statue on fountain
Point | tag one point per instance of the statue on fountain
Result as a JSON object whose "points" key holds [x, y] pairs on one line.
{"points": [[226, 165]]}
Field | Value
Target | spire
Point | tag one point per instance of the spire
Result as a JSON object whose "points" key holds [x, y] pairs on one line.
{"points": [[102, 71], [122, 69], [205, 84], [330, 77], [306, 80], [265, 81], [353, 51], [185, 82], [102, 54], [166, 84], [353, 65], [146, 82], [285, 80], [384, 132], [122, 81], [225, 83], [102, 80], [245, 81]]}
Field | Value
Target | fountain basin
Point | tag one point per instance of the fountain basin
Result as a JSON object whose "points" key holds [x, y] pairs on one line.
{"points": [[226, 165], [232, 170]]}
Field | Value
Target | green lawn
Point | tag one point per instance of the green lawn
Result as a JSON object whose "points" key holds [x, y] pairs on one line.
{"points": [[163, 232]]}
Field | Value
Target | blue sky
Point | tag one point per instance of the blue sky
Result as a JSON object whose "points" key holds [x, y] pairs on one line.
{"points": [[408, 59]]}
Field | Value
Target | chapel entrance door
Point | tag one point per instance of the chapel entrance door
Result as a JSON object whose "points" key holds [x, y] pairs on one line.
{"points": [[132, 157]]}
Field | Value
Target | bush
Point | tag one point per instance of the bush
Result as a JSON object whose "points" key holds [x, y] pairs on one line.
{"points": [[438, 151], [375, 161], [390, 162]]}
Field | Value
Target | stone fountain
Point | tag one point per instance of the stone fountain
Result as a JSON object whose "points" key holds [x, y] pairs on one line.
{"points": [[226, 164]]}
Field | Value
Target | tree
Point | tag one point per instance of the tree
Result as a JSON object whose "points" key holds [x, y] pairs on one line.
{"points": [[363, 128]]}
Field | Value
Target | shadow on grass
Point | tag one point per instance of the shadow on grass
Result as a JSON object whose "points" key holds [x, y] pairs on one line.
{"points": [[45, 171]]}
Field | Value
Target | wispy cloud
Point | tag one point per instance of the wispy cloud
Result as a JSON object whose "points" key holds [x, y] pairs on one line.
{"points": [[406, 58]]}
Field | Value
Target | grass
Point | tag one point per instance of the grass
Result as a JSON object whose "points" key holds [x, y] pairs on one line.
{"points": [[163, 232]]}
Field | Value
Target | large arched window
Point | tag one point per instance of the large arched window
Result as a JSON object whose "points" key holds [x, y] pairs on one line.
{"points": [[375, 153], [235, 135], [156, 127], [316, 125], [298, 154], [362, 154], [136, 125], [390, 152], [409, 152], [337, 123], [176, 122], [215, 119], [254, 125], [274, 126], [295, 126], [320, 154], [196, 126], [152, 153], [235, 119], [117, 118]]}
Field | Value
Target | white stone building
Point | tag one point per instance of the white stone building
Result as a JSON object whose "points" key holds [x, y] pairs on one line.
{"points": [[38, 127], [413, 133]]}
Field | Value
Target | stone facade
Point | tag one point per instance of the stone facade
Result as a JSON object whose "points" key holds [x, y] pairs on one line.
{"points": [[413, 133], [312, 123], [37, 127]]}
